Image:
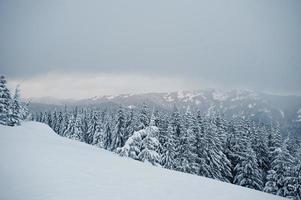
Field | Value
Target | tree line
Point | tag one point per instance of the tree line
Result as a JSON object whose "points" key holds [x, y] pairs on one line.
{"points": [[239, 151]]}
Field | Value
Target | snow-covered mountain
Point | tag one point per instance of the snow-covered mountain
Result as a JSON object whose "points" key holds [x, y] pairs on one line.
{"points": [[231, 103], [38, 164]]}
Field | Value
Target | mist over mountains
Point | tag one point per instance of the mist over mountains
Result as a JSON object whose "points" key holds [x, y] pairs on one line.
{"points": [[256, 106]]}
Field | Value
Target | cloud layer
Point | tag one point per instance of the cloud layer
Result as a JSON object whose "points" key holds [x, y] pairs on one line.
{"points": [[251, 44]]}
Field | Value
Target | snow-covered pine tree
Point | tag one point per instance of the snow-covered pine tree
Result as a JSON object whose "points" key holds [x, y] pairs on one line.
{"points": [[92, 123], [259, 144], [95, 133], [60, 123], [118, 133], [236, 143], [55, 121], [24, 111], [168, 149], [280, 169], [178, 131], [201, 154], [295, 179], [271, 182], [219, 165], [5, 102], [248, 173], [129, 126], [107, 136], [273, 142], [154, 120], [86, 120], [221, 128], [73, 130], [150, 146], [143, 117], [16, 108], [187, 156], [142, 145]]}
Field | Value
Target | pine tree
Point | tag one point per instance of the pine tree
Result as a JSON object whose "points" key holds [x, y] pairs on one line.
{"points": [[118, 134], [16, 108], [247, 171], [93, 135], [143, 117], [142, 145], [280, 169], [187, 156], [178, 131], [236, 143], [201, 154], [5, 102], [150, 146], [213, 155], [107, 140], [168, 149], [259, 144], [73, 130]]}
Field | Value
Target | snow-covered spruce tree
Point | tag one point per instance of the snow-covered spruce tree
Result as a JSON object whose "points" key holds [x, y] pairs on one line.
{"points": [[273, 142], [129, 125], [49, 119], [247, 172], [168, 149], [186, 149], [293, 145], [118, 133], [93, 135], [16, 108], [55, 121], [295, 179], [143, 145], [271, 182], [5, 102], [86, 120], [221, 128], [280, 169], [236, 143], [291, 175], [219, 165], [143, 117], [201, 155], [154, 120], [107, 136], [73, 130], [178, 131], [259, 144], [61, 123], [24, 111], [150, 147]]}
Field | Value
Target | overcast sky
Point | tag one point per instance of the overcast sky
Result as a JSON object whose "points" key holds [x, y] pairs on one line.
{"points": [[83, 48]]}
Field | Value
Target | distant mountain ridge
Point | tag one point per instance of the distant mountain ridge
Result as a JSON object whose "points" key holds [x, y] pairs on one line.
{"points": [[230, 103]]}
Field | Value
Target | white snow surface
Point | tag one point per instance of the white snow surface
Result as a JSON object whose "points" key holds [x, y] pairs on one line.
{"points": [[38, 164]]}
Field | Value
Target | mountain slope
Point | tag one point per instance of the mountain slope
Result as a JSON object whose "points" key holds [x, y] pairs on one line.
{"points": [[38, 164]]}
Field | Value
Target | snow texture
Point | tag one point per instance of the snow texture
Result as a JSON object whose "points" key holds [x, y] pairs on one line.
{"points": [[38, 164]]}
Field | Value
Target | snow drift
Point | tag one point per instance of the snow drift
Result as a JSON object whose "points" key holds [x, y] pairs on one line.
{"points": [[38, 164]]}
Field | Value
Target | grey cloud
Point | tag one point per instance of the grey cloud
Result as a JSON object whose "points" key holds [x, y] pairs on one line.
{"points": [[254, 44]]}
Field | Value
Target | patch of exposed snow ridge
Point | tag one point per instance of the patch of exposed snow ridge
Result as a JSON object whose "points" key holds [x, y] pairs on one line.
{"points": [[219, 95], [38, 164]]}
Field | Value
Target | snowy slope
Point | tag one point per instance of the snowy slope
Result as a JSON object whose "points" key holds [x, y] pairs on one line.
{"points": [[38, 164]]}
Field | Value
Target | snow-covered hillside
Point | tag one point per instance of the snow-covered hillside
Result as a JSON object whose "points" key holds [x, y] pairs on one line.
{"points": [[38, 164]]}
